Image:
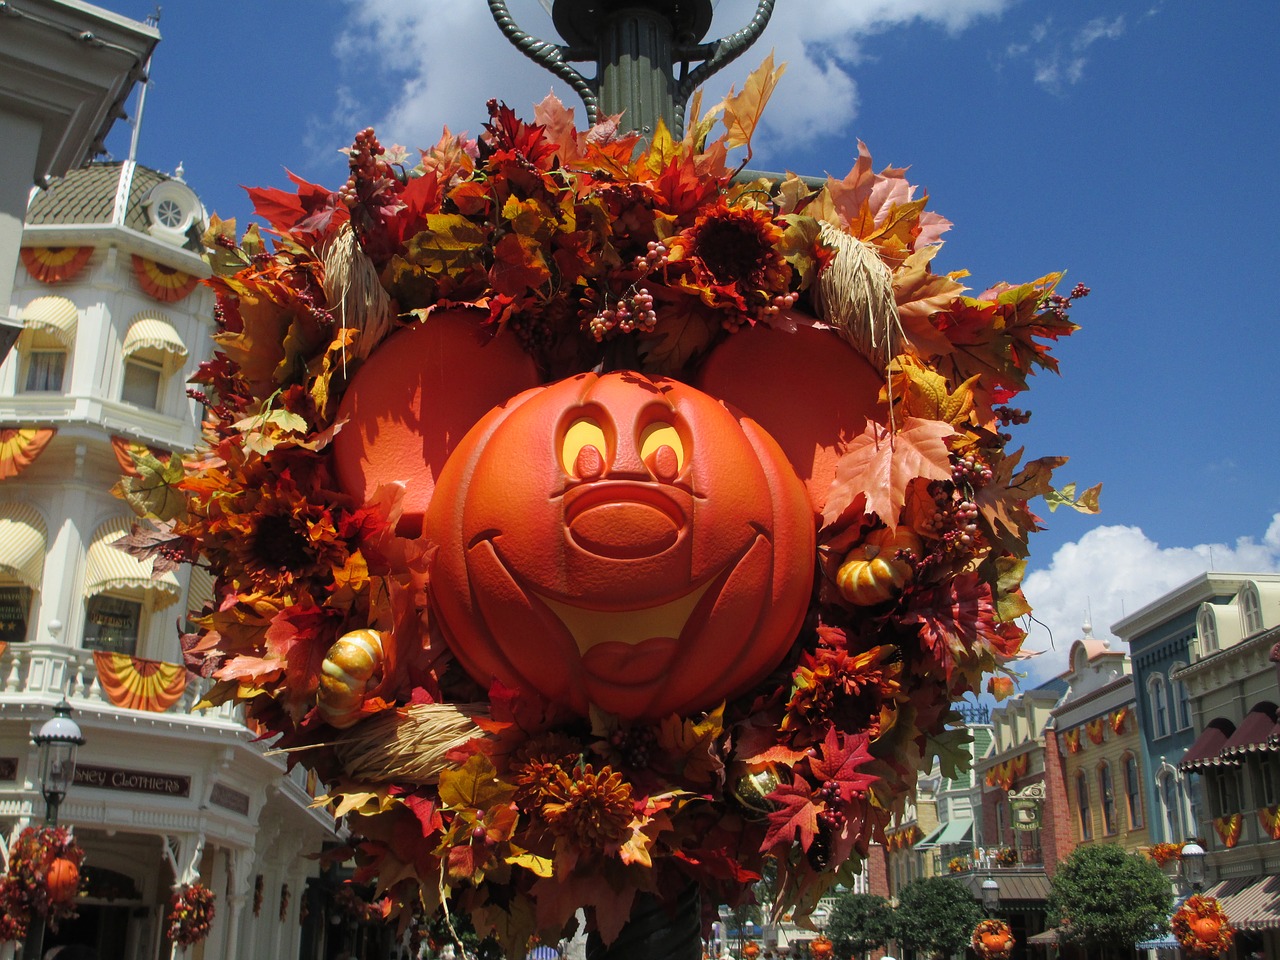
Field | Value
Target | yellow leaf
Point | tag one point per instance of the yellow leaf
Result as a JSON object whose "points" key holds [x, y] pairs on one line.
{"points": [[662, 149], [530, 861], [742, 111]]}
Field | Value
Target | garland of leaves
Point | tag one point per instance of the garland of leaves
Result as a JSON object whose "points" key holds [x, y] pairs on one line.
{"points": [[24, 888], [191, 910], [598, 252], [1165, 852], [1200, 915], [993, 929]]}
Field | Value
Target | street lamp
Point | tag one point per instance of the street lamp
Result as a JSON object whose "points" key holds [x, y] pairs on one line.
{"points": [[1193, 864], [58, 739], [990, 894], [636, 46]]}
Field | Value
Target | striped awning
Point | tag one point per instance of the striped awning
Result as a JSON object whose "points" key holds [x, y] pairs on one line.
{"points": [[1250, 903], [200, 591], [1254, 733], [1206, 750], [22, 543], [56, 316], [153, 332], [107, 568]]}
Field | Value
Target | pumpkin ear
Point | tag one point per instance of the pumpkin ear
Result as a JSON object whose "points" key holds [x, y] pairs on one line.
{"points": [[415, 398], [805, 385]]}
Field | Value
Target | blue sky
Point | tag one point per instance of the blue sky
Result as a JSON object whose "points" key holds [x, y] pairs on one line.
{"points": [[1131, 144]]}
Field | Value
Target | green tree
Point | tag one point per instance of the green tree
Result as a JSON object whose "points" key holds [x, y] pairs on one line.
{"points": [[936, 916], [859, 923], [1106, 898]]}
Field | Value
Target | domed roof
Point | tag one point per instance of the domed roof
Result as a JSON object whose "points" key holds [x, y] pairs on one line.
{"points": [[156, 203]]}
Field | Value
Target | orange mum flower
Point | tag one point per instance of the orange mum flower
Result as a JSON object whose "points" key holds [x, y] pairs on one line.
{"points": [[592, 810], [833, 686]]}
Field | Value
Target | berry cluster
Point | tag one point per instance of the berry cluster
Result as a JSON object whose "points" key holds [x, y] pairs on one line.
{"points": [[628, 313], [1060, 304], [655, 258], [635, 745], [970, 472], [369, 171], [764, 311], [1012, 415]]}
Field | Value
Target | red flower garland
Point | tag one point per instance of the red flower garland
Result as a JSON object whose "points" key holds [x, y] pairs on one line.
{"points": [[24, 889], [191, 910], [1202, 927]]}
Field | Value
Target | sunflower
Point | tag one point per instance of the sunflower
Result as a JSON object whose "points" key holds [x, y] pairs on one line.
{"points": [[833, 686], [733, 258]]}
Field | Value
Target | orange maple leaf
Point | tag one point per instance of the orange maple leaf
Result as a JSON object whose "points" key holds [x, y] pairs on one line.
{"points": [[880, 465]]}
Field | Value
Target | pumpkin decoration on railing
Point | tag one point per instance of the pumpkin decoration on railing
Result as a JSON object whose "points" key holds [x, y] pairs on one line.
{"points": [[993, 940], [42, 880], [539, 476], [191, 911], [821, 947], [751, 950], [1202, 927]]}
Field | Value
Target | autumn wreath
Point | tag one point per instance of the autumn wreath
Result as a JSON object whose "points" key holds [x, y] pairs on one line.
{"points": [[191, 909], [592, 251], [993, 940], [1165, 852], [31, 889], [1202, 927]]}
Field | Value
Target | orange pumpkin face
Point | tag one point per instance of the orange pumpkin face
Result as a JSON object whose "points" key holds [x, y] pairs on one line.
{"points": [[1206, 928], [63, 880], [620, 541]]}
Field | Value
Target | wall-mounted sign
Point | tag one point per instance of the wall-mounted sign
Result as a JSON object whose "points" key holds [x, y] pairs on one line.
{"points": [[233, 800], [136, 781], [14, 603], [1025, 806]]}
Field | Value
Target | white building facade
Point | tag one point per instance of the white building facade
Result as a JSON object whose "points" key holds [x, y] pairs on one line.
{"points": [[114, 324]]}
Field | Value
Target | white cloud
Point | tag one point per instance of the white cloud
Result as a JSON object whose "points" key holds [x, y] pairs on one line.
{"points": [[1113, 571], [447, 59], [1059, 58]]}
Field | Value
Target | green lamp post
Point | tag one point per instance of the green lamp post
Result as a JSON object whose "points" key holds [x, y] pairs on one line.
{"points": [[636, 46]]}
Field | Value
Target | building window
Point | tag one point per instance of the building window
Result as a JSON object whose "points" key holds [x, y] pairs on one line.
{"points": [[1182, 702], [1082, 802], [45, 369], [15, 607], [1133, 791], [1194, 788], [1171, 808], [1159, 705], [141, 383], [1250, 609], [1107, 797], [1266, 779], [1225, 786], [1208, 630], [112, 624]]}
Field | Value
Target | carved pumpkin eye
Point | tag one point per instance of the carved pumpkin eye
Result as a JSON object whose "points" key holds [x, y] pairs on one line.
{"points": [[658, 435], [582, 433]]}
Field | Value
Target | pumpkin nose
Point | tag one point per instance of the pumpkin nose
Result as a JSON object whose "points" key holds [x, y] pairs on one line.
{"points": [[624, 522]]}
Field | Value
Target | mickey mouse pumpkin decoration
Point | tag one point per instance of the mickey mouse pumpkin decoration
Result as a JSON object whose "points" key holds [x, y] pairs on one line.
{"points": [[539, 477]]}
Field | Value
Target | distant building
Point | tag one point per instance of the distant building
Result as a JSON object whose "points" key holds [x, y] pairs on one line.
{"points": [[114, 324], [1100, 741], [1234, 761], [1162, 639]]}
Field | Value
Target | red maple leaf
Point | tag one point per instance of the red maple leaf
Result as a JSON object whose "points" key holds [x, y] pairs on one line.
{"points": [[301, 636], [796, 813], [839, 758]]}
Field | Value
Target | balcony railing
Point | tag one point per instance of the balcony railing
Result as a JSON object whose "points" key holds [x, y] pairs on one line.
{"points": [[31, 671]]}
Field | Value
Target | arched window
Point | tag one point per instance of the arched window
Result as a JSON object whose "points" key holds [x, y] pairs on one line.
{"points": [[1082, 802], [1159, 705], [1132, 791], [48, 337], [1250, 609], [152, 351], [1207, 627], [1171, 807], [1107, 798]]}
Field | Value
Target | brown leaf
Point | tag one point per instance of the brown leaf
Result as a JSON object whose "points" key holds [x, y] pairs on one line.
{"points": [[881, 464]]}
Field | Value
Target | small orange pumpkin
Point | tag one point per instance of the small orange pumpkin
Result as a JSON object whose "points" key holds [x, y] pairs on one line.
{"points": [[1207, 929], [63, 880], [821, 947], [352, 665], [997, 941], [620, 541], [873, 572], [751, 949]]}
